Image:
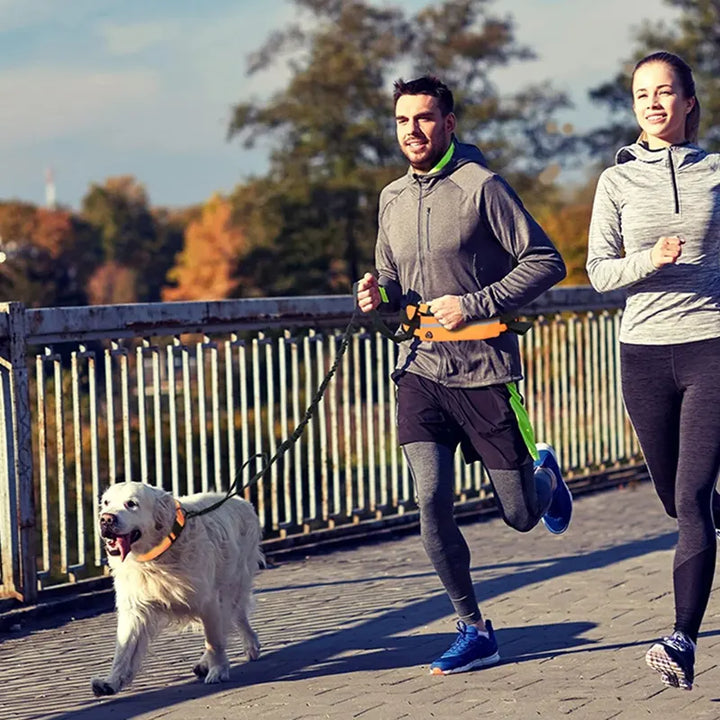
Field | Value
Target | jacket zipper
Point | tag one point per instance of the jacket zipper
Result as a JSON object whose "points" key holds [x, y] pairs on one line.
{"points": [[676, 196], [442, 367], [427, 229], [419, 236]]}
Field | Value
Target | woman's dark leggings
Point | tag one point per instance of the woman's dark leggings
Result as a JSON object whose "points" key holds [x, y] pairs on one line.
{"points": [[672, 395]]}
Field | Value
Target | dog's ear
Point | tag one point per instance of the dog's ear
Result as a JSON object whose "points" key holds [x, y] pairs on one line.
{"points": [[163, 510], [102, 495]]}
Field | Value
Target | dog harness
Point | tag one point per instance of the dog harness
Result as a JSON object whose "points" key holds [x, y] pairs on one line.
{"points": [[167, 541]]}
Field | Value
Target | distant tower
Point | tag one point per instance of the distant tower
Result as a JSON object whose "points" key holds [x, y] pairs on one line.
{"points": [[50, 202]]}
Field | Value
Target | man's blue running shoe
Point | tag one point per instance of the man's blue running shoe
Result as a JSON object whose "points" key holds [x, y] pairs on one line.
{"points": [[470, 650], [557, 517]]}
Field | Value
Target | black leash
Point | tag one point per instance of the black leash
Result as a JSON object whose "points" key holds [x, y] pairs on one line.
{"points": [[182, 515], [409, 325], [234, 489]]}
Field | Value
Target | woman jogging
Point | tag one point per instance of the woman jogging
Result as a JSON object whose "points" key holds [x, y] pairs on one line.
{"points": [[655, 231]]}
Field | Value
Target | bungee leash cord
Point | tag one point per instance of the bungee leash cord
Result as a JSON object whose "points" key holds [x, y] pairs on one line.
{"points": [[233, 489], [416, 321]]}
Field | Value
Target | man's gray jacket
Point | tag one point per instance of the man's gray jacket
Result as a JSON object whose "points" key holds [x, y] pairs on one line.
{"points": [[462, 231]]}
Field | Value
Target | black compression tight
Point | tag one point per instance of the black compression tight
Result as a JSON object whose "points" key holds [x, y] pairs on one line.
{"points": [[672, 395], [522, 495]]}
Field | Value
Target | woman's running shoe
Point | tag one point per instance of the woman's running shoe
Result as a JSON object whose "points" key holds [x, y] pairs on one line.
{"points": [[674, 658]]}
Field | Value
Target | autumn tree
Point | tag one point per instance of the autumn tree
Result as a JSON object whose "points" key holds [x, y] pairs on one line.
{"points": [[334, 139], [567, 225], [17, 222], [112, 284], [47, 255], [132, 234], [206, 268]]}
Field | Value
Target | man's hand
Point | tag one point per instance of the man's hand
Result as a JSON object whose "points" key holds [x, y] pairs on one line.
{"points": [[446, 310], [368, 294], [666, 251]]}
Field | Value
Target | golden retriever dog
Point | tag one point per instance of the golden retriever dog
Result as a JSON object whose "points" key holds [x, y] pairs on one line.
{"points": [[205, 575]]}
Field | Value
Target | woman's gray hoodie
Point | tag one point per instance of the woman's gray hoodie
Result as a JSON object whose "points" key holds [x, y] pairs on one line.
{"points": [[648, 194], [462, 231]]}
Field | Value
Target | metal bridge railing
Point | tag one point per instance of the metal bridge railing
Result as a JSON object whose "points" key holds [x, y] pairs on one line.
{"points": [[181, 395]]}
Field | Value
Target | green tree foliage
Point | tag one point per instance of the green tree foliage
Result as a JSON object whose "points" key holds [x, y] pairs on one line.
{"points": [[463, 44], [695, 36], [334, 140], [133, 236]]}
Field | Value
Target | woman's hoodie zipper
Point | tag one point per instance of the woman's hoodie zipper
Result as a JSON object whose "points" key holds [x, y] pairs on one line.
{"points": [[673, 180]]}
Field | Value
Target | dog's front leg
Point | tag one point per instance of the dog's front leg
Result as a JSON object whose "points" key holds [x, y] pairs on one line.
{"points": [[134, 632]]}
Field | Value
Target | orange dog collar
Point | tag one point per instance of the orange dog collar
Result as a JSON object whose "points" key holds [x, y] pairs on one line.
{"points": [[167, 541]]}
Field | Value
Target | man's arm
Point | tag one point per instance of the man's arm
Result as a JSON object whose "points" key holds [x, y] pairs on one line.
{"points": [[390, 290], [385, 290], [538, 267]]}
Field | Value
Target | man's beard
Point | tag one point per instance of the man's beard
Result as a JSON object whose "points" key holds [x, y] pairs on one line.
{"points": [[428, 164]]}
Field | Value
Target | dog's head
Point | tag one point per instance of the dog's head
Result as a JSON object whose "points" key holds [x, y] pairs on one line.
{"points": [[134, 517]]}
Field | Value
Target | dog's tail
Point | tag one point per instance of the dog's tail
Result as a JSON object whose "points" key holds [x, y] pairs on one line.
{"points": [[259, 557], [261, 561]]}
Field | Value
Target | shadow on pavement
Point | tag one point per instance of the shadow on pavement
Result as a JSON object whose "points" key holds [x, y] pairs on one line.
{"points": [[390, 640]]}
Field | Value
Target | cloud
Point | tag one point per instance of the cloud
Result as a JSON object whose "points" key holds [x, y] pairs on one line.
{"points": [[52, 102], [131, 39], [202, 74], [18, 14]]}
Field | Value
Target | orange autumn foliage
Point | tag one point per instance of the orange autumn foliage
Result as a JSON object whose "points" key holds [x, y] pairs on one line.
{"points": [[567, 226], [54, 231], [206, 267], [112, 284]]}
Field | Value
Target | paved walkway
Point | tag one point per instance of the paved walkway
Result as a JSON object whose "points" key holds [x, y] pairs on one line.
{"points": [[349, 634]]}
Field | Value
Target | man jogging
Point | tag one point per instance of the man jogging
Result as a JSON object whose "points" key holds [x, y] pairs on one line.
{"points": [[455, 235]]}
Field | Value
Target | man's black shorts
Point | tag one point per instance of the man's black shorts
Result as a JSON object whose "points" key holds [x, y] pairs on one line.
{"points": [[480, 419]]}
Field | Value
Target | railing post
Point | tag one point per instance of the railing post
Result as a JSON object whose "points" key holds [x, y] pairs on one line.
{"points": [[17, 503]]}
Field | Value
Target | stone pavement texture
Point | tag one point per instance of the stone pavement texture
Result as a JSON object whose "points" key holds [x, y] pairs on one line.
{"points": [[350, 634]]}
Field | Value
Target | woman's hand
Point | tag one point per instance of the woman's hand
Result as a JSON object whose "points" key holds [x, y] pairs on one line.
{"points": [[666, 251]]}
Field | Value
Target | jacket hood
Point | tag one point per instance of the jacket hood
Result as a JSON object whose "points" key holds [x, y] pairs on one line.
{"points": [[684, 154], [464, 154]]}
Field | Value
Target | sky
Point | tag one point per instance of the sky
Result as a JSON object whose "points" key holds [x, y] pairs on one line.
{"points": [[95, 88]]}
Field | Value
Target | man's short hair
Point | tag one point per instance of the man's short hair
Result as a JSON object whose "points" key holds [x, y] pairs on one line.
{"points": [[426, 85]]}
